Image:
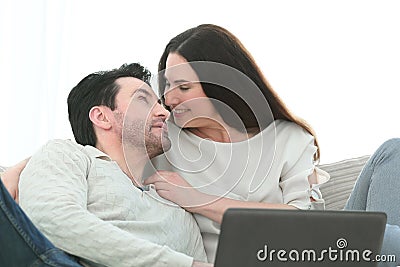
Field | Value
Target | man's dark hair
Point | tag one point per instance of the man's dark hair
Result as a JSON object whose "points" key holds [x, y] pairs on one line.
{"points": [[98, 89]]}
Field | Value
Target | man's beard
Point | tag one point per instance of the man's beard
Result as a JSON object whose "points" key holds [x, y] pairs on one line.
{"points": [[137, 134]]}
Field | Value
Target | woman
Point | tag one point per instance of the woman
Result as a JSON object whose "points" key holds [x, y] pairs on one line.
{"points": [[234, 143]]}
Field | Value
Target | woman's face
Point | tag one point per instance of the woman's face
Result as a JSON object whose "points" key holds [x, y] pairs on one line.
{"points": [[190, 107]]}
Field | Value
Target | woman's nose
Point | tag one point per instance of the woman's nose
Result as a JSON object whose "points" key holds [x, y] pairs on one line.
{"points": [[171, 98]]}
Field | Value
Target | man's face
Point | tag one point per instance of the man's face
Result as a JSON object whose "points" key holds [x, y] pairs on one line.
{"points": [[140, 118]]}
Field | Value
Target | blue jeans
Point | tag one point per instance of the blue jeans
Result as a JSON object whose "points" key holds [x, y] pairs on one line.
{"points": [[378, 189], [21, 243]]}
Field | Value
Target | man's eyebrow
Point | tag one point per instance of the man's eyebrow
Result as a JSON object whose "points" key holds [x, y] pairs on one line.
{"points": [[141, 90]]}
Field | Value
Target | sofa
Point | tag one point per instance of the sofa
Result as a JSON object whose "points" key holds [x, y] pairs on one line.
{"points": [[343, 176]]}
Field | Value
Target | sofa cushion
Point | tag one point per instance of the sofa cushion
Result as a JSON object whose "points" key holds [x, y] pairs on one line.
{"points": [[343, 176]]}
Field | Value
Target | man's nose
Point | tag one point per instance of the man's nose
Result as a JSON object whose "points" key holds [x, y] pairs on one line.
{"points": [[160, 111]]}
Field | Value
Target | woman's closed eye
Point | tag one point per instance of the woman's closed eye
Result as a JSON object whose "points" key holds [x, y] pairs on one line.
{"points": [[184, 87], [181, 84]]}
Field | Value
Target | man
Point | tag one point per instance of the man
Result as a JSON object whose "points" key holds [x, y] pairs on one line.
{"points": [[88, 199]]}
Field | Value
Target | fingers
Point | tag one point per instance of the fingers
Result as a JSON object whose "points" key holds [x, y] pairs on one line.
{"points": [[153, 179], [156, 177], [167, 180], [162, 186]]}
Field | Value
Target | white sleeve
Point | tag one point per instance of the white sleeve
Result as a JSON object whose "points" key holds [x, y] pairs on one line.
{"points": [[298, 163], [53, 193]]}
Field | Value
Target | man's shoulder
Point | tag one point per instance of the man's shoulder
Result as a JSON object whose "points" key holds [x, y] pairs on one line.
{"points": [[58, 157], [62, 148], [65, 145]]}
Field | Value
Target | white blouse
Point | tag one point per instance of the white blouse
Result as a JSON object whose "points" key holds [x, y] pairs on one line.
{"points": [[271, 167]]}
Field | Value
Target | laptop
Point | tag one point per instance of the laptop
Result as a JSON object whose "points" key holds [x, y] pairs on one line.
{"points": [[263, 237]]}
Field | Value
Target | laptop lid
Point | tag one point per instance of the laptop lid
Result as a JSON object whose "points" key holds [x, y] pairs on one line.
{"points": [[263, 237]]}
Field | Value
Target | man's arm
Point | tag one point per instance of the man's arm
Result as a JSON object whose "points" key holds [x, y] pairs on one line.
{"points": [[53, 192]]}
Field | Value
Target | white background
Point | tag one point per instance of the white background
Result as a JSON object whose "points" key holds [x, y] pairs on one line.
{"points": [[334, 63]]}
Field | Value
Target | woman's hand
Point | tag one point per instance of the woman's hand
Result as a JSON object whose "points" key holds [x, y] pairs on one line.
{"points": [[10, 178], [201, 264], [173, 187]]}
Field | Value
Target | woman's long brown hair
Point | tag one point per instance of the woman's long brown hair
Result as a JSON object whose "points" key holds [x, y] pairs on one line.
{"points": [[212, 43]]}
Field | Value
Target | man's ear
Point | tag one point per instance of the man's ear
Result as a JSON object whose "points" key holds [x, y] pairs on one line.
{"points": [[99, 117]]}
